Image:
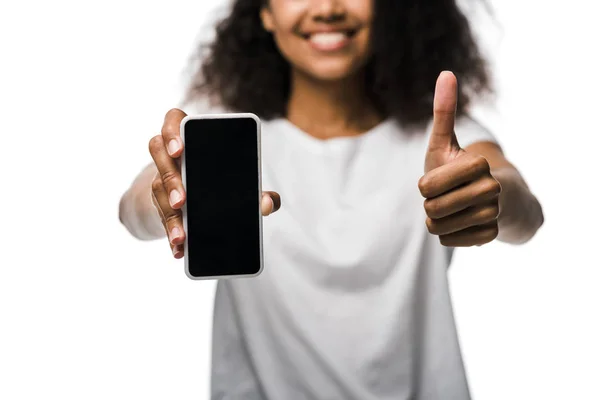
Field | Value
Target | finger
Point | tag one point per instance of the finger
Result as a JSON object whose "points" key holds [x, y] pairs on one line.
{"points": [[444, 111], [466, 168], [176, 249], [480, 191], [471, 216], [158, 210], [270, 202], [473, 236], [171, 133], [172, 219], [168, 171]]}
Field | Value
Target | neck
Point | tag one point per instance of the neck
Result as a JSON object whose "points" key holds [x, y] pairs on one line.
{"points": [[330, 109]]}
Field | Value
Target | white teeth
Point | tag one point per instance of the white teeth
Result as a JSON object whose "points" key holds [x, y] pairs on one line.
{"points": [[328, 39]]}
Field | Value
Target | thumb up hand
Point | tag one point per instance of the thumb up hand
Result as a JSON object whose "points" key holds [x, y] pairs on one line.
{"points": [[461, 195]]}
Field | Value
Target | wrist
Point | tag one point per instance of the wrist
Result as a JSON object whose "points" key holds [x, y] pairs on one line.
{"points": [[519, 211]]}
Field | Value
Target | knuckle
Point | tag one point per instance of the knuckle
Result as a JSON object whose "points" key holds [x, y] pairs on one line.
{"points": [[434, 208], [157, 185], [171, 123], [491, 233], [173, 112], [170, 129], [172, 218], [479, 163], [156, 144], [491, 187], [170, 178], [431, 226], [488, 213], [497, 187], [431, 208], [424, 184], [482, 163]]}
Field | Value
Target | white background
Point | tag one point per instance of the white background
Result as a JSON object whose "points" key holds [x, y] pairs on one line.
{"points": [[88, 312]]}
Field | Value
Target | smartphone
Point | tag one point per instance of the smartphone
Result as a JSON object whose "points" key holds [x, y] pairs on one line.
{"points": [[221, 174]]}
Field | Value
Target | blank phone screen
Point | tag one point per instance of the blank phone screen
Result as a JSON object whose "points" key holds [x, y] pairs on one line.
{"points": [[223, 199]]}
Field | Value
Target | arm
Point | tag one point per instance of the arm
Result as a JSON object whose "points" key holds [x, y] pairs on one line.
{"points": [[520, 212], [136, 210]]}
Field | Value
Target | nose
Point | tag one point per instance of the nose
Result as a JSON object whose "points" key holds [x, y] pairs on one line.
{"points": [[328, 10]]}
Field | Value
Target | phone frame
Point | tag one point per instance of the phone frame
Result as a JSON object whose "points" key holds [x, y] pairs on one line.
{"points": [[183, 179]]}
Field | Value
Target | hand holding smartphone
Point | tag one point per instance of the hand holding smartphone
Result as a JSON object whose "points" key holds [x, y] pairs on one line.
{"points": [[208, 192], [221, 175]]}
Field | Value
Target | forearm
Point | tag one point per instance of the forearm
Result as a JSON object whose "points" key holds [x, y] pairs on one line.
{"points": [[520, 212], [136, 210]]}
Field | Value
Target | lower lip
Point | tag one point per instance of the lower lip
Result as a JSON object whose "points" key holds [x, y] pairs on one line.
{"points": [[329, 47]]}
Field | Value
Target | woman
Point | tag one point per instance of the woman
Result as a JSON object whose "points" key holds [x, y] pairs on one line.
{"points": [[382, 173]]}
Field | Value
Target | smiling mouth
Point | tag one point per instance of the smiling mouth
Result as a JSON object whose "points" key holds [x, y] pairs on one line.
{"points": [[331, 40]]}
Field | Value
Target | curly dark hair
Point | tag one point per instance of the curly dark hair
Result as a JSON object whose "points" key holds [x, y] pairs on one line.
{"points": [[412, 42]]}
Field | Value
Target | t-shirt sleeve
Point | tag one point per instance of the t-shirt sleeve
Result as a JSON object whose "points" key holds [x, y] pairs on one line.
{"points": [[469, 130]]}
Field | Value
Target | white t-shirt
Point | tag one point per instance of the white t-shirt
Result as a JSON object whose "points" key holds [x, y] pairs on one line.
{"points": [[353, 303]]}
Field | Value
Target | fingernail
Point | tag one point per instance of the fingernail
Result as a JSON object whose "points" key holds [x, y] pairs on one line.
{"points": [[174, 197], [175, 250], [173, 146], [175, 232]]}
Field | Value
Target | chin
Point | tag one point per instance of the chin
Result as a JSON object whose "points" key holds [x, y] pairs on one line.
{"points": [[331, 76], [331, 72]]}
